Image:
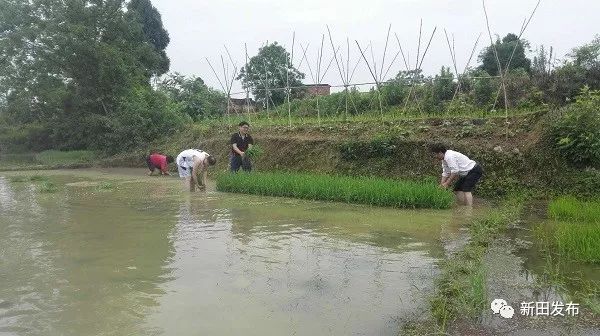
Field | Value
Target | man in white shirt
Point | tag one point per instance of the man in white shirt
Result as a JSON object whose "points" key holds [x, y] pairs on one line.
{"points": [[192, 162], [459, 170]]}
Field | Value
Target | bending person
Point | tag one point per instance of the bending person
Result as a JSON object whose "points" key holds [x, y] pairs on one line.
{"points": [[459, 170], [158, 161], [193, 162]]}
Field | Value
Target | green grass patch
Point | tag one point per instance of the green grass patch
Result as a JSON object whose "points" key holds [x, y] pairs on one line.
{"points": [[361, 190], [572, 209], [105, 186], [578, 241], [55, 157], [577, 230], [48, 187], [461, 288], [18, 179], [254, 152], [38, 178]]}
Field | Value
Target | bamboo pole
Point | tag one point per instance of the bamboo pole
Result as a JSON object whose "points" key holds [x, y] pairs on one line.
{"points": [[487, 22], [246, 89], [287, 72]]}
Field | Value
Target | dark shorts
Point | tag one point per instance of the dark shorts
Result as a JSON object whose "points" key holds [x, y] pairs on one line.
{"points": [[237, 162], [467, 183], [150, 165]]}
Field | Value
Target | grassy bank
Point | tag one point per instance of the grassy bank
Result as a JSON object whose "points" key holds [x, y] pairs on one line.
{"points": [[50, 159], [362, 190], [461, 287]]}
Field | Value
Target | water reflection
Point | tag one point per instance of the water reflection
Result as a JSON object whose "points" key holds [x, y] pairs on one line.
{"points": [[146, 258], [83, 261], [275, 266]]}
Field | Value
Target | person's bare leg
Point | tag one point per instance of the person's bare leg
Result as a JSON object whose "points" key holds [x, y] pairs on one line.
{"points": [[468, 197], [192, 184], [460, 196], [188, 183]]}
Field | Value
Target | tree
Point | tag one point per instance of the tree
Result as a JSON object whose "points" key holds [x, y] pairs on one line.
{"points": [[582, 68], [505, 49], [68, 65], [443, 87], [149, 20], [266, 72], [193, 96]]}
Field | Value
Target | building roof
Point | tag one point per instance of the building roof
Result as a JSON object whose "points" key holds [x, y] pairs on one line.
{"points": [[317, 85]]}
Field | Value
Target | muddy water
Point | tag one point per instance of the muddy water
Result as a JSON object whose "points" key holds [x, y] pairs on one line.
{"points": [[139, 256]]}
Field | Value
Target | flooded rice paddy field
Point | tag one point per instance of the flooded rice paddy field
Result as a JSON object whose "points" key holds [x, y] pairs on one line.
{"points": [[113, 252]]}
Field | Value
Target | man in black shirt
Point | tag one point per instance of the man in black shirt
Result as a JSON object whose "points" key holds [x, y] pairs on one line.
{"points": [[240, 142]]}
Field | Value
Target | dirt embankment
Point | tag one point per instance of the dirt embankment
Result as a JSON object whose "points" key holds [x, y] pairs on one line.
{"points": [[511, 150]]}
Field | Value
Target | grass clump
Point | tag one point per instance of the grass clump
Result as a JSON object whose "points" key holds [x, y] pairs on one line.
{"points": [[38, 178], [361, 190], [571, 209], [48, 187], [577, 230], [254, 152], [578, 241], [461, 288], [18, 179], [105, 186], [56, 157]]}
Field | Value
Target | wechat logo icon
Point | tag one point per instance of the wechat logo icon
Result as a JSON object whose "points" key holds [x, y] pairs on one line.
{"points": [[500, 306]]}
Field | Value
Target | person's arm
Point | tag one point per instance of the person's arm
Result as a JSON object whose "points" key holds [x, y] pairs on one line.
{"points": [[445, 175], [450, 170], [237, 150], [449, 180]]}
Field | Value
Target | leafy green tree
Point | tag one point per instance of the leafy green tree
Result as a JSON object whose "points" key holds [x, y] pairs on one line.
{"points": [[443, 87], [266, 72], [575, 132], [505, 49], [149, 20], [68, 65], [484, 89], [193, 97], [582, 68]]}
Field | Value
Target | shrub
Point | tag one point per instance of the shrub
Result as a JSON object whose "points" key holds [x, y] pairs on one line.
{"points": [[576, 131]]}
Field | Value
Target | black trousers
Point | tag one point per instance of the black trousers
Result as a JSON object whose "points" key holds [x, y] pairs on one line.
{"points": [[237, 161]]}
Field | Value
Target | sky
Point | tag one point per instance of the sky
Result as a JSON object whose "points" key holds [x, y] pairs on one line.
{"points": [[200, 30]]}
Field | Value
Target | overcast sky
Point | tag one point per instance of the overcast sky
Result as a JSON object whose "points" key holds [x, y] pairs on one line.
{"points": [[200, 29]]}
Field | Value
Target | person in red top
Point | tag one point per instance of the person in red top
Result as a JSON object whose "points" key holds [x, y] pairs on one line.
{"points": [[160, 162]]}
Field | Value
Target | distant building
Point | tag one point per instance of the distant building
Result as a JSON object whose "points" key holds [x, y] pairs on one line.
{"points": [[240, 105], [312, 90]]}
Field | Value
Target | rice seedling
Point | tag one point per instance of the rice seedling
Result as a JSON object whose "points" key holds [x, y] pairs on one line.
{"points": [[18, 179], [48, 187], [55, 157], [105, 186], [572, 209], [254, 152], [578, 241], [38, 178], [577, 232], [362, 190]]}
